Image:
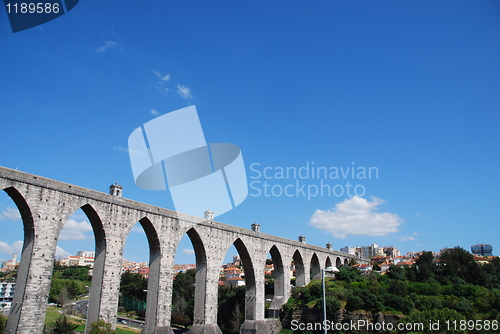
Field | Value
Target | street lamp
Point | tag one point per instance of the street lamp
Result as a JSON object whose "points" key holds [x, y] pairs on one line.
{"points": [[332, 270]]}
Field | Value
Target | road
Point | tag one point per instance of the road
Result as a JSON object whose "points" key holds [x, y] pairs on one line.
{"points": [[80, 306]]}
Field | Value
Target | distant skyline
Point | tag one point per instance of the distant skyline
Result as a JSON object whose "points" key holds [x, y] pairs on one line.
{"points": [[407, 87]]}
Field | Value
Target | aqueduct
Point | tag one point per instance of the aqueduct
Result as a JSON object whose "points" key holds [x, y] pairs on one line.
{"points": [[45, 205]]}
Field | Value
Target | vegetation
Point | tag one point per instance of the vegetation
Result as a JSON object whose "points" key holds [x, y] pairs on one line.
{"points": [[101, 327], [68, 283], [3, 323], [134, 285], [183, 298], [231, 308], [454, 287], [63, 325]]}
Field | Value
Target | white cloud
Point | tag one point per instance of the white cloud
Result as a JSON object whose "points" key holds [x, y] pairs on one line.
{"points": [[162, 77], [356, 216], [61, 253], [138, 229], [406, 238], [16, 247], [74, 230], [154, 112], [184, 91], [133, 152], [106, 46], [188, 251], [10, 214]]}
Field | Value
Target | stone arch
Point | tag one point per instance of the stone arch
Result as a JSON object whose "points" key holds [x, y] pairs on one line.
{"points": [[95, 300], [346, 262], [338, 262], [279, 283], [154, 272], [250, 283], [201, 275], [300, 275], [328, 262], [315, 266], [26, 255]]}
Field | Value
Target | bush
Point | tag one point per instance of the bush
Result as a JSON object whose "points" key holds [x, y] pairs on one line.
{"points": [[101, 327]]}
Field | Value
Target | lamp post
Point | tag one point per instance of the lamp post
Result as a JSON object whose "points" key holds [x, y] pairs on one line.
{"points": [[323, 271]]}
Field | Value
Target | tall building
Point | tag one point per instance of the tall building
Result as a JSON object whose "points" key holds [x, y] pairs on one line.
{"points": [[11, 264], [85, 253], [482, 249], [370, 251], [7, 293]]}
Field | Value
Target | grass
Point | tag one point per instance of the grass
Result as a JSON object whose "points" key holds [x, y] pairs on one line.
{"points": [[51, 315], [119, 329]]}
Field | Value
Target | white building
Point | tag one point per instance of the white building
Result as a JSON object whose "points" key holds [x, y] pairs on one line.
{"points": [[356, 251], [86, 254], [81, 261], [11, 264], [7, 293]]}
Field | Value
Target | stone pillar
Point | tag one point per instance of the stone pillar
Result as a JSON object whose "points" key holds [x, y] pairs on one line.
{"points": [[165, 283], [35, 270], [210, 253], [104, 295]]}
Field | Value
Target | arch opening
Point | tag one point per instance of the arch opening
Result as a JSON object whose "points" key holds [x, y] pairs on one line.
{"points": [[315, 267], [190, 281], [328, 262], [14, 208], [274, 283], [299, 275], [139, 275], [237, 295]]}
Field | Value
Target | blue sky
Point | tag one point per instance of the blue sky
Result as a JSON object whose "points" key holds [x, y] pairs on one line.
{"points": [[408, 87]]}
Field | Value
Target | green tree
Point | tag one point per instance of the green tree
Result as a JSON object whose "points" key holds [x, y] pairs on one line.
{"points": [[231, 308], [397, 272], [101, 327], [348, 274], [3, 323], [134, 285], [433, 316], [63, 325], [183, 297]]}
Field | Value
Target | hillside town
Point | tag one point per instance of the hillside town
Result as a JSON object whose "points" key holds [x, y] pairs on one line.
{"points": [[233, 274]]}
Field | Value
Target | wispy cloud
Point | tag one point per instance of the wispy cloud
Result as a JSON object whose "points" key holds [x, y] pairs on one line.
{"points": [[406, 238], [188, 251], [356, 216], [15, 248], [130, 151], [61, 253], [184, 91], [154, 112], [74, 230], [10, 214], [162, 77], [107, 45], [138, 229]]}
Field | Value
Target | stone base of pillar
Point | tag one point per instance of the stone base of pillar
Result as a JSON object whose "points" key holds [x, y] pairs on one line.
{"points": [[267, 326], [205, 329], [274, 309]]}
